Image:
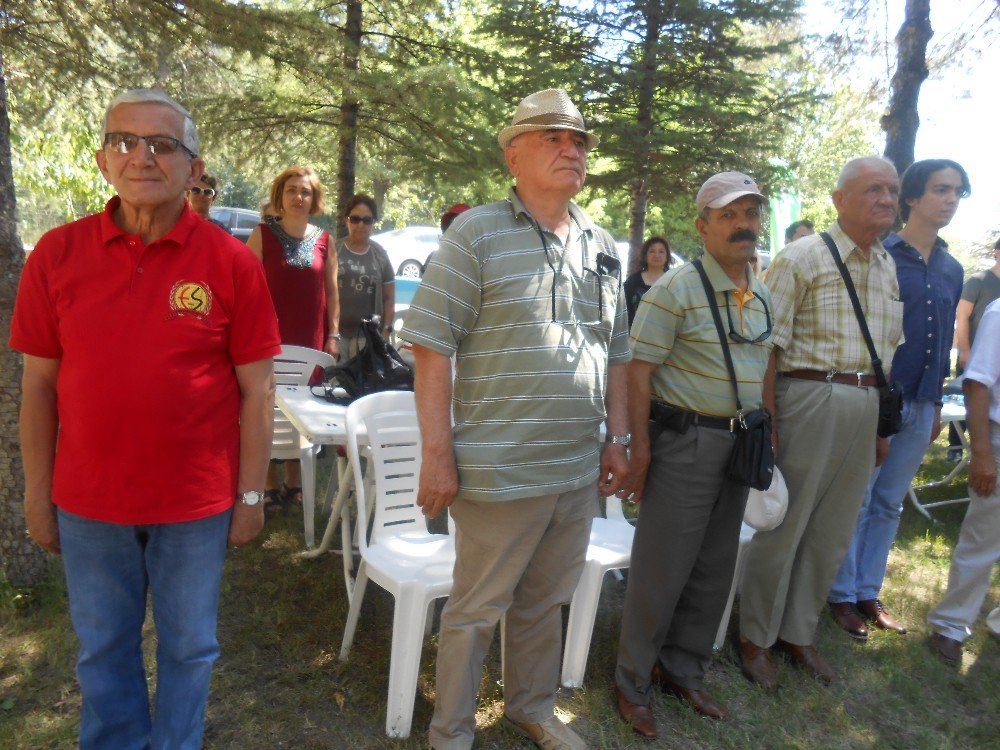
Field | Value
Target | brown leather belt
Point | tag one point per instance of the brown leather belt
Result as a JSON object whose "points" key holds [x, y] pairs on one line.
{"points": [[857, 379]]}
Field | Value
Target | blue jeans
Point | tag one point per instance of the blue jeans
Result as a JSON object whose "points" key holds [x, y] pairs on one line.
{"points": [[863, 570], [109, 568]]}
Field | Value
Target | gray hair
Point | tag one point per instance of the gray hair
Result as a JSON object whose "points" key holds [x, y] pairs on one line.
{"points": [[853, 165], [155, 96]]}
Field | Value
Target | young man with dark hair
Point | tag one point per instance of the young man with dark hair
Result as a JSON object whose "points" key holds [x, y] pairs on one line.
{"points": [[930, 284], [797, 229]]}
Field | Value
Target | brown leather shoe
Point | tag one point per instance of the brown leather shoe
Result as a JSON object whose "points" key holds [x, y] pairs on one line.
{"points": [[757, 665], [847, 616], [875, 612], [699, 700], [640, 718], [807, 658], [947, 648]]}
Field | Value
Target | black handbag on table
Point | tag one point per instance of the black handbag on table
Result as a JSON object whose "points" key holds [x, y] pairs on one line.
{"points": [[890, 395], [376, 367], [751, 462]]}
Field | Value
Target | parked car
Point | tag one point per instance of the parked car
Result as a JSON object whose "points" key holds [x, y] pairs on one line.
{"points": [[239, 222], [409, 248]]}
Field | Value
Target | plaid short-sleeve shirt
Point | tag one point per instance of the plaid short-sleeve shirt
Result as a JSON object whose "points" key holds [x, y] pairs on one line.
{"points": [[814, 323]]}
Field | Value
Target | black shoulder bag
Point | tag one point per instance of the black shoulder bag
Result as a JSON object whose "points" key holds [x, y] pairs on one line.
{"points": [[751, 462], [890, 395], [376, 367]]}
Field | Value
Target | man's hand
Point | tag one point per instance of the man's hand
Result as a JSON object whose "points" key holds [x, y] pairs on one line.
{"points": [[936, 425], [614, 467], [982, 473], [332, 347], [245, 524], [635, 479], [881, 450], [438, 482], [42, 525]]}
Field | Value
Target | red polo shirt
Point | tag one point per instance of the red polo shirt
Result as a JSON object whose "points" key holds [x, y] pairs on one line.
{"points": [[147, 337]]}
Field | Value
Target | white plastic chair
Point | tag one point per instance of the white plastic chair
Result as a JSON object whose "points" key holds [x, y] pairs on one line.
{"points": [[610, 548], [294, 366], [403, 557], [746, 534]]}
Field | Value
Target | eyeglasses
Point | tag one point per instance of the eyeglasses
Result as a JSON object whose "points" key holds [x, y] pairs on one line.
{"points": [[158, 145], [368, 220], [741, 339], [608, 266], [207, 192]]}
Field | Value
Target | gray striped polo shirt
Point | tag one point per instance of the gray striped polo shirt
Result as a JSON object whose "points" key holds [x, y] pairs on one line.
{"points": [[531, 369]]}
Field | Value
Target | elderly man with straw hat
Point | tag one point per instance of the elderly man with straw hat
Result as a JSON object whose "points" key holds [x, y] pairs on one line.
{"points": [[526, 294]]}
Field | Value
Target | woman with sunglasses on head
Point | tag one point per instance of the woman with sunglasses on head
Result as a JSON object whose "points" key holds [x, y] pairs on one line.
{"points": [[366, 280], [655, 260], [202, 196], [300, 267]]}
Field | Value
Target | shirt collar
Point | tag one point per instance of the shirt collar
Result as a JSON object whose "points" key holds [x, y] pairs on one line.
{"points": [[894, 242], [581, 219], [720, 279], [177, 235], [846, 246]]}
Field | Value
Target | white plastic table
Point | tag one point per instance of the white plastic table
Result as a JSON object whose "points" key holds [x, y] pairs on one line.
{"points": [[324, 423], [952, 412]]}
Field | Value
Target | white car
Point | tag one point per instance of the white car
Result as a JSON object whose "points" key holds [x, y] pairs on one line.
{"points": [[409, 248]]}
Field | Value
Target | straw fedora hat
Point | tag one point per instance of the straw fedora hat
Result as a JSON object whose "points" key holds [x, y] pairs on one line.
{"points": [[546, 110]]}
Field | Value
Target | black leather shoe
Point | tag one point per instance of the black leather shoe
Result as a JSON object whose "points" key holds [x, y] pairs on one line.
{"points": [[847, 616], [947, 648]]}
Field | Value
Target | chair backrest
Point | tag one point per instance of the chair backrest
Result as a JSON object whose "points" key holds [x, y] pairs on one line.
{"points": [[393, 437], [295, 364]]}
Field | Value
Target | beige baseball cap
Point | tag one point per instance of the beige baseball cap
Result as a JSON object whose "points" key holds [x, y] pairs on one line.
{"points": [[546, 110], [723, 188]]}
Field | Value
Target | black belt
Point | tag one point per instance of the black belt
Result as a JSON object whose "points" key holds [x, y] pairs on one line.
{"points": [[675, 418]]}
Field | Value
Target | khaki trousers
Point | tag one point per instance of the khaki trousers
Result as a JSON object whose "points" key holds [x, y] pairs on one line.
{"points": [[683, 557], [826, 452], [522, 559]]}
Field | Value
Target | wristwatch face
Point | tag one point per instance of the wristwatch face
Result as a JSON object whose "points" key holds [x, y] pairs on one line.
{"points": [[251, 497], [620, 439]]}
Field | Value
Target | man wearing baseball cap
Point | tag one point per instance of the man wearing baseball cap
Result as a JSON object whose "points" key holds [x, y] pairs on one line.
{"points": [[526, 294], [681, 406], [822, 391]]}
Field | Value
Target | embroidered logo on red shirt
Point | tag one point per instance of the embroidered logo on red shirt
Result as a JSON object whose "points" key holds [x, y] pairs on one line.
{"points": [[191, 297]]}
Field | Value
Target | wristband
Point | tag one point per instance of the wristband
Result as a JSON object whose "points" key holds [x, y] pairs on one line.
{"points": [[334, 336]]}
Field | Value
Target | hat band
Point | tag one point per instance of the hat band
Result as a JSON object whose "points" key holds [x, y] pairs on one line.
{"points": [[553, 120]]}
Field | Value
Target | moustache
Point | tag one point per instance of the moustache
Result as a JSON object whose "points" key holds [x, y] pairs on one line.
{"points": [[743, 234]]}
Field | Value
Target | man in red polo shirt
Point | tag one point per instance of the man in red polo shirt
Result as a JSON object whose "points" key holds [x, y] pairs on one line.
{"points": [[148, 336]]}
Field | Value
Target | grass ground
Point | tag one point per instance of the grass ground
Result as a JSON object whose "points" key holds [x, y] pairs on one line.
{"points": [[279, 684]]}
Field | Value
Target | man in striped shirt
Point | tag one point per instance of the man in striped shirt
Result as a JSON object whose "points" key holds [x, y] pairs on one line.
{"points": [[526, 294], [822, 390], [682, 402]]}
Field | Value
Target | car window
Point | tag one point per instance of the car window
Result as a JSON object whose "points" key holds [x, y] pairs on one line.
{"points": [[221, 216], [246, 221]]}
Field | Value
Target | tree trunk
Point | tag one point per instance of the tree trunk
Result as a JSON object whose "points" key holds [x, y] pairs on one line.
{"points": [[347, 146], [639, 185], [900, 123], [379, 190], [23, 563]]}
